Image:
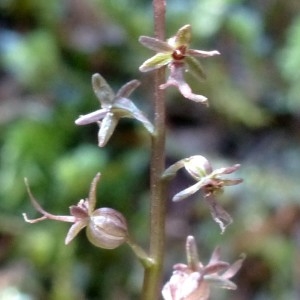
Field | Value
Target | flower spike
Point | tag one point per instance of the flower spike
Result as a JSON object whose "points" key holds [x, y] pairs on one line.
{"points": [[176, 54], [113, 108]]}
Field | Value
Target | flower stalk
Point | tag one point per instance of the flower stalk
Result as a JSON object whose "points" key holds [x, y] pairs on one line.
{"points": [[153, 275]]}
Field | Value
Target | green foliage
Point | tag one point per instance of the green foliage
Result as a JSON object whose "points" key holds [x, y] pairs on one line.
{"points": [[289, 64], [33, 59]]}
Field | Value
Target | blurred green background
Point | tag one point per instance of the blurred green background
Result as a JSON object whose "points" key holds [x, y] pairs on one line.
{"points": [[48, 52]]}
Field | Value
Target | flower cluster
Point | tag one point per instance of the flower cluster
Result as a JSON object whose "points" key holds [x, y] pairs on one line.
{"points": [[105, 227], [194, 280], [175, 54]]}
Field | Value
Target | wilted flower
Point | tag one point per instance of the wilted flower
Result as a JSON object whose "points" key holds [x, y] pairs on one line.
{"points": [[175, 53], [113, 107], [105, 227], [208, 180], [194, 280]]}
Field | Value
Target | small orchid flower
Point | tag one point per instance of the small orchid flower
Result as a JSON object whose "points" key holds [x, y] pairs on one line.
{"points": [[113, 107], [105, 227], [208, 180], [175, 54], [194, 280]]}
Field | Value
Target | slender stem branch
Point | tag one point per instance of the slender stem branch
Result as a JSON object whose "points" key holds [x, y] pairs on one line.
{"points": [[153, 274], [145, 260]]}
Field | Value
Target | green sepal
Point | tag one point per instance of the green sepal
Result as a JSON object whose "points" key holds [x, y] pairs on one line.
{"points": [[155, 44], [155, 62], [183, 36], [195, 68], [102, 90], [128, 109]]}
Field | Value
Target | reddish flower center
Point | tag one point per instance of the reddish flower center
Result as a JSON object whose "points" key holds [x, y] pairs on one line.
{"points": [[179, 53]]}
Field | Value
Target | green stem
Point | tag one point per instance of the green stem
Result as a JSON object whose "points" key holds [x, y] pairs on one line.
{"points": [[153, 274]]}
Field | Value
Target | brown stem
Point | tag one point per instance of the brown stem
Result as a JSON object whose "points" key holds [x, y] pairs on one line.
{"points": [[153, 274]]}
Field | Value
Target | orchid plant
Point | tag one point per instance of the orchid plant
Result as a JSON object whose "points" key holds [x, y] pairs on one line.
{"points": [[107, 228]]}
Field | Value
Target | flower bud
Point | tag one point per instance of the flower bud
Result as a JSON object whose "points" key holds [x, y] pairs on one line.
{"points": [[107, 228]]}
